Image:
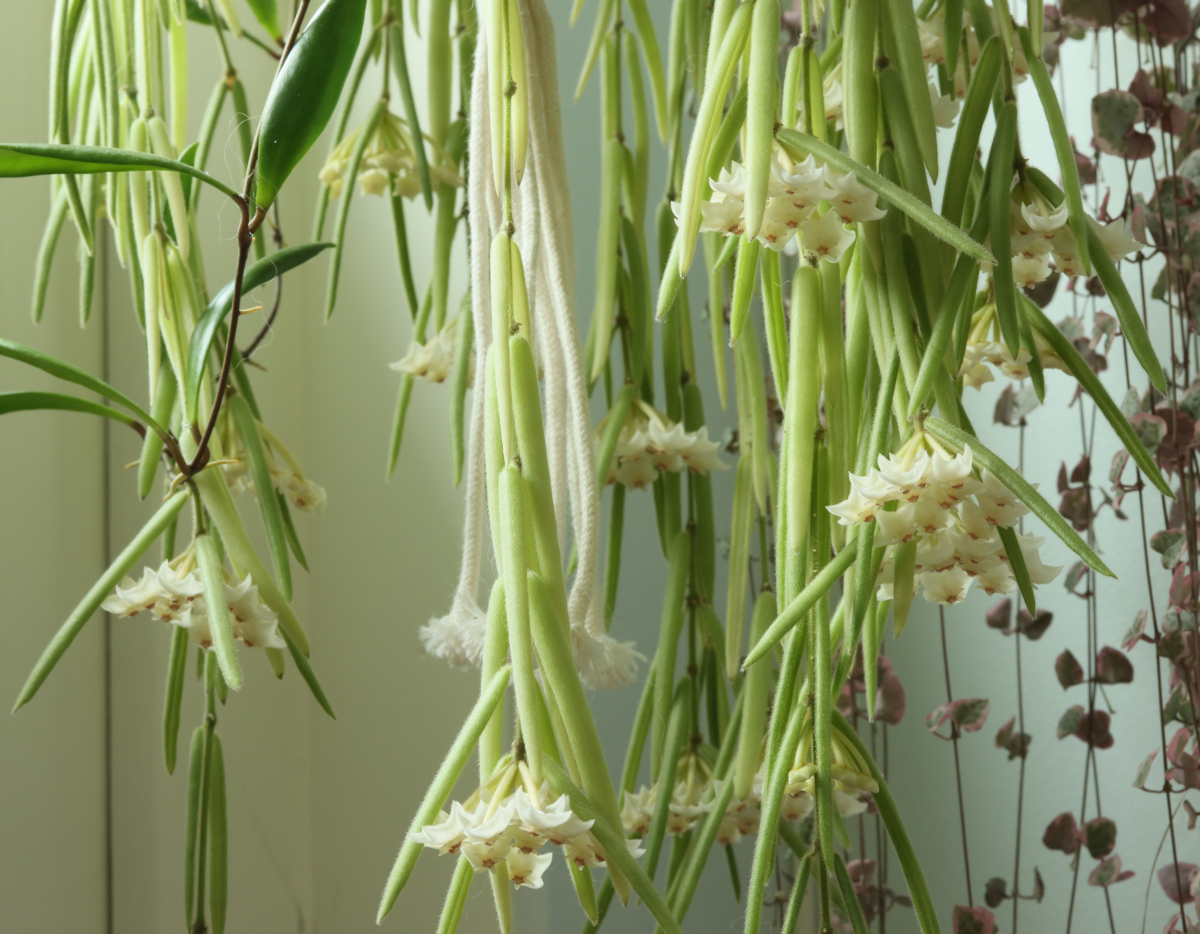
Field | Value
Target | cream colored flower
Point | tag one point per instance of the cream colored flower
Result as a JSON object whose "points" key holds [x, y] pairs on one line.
{"points": [[826, 237], [1117, 243], [945, 107], [445, 835], [526, 869], [853, 201], [946, 587]]}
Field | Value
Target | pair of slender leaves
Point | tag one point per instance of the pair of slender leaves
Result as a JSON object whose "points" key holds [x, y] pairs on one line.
{"points": [[256, 274]]}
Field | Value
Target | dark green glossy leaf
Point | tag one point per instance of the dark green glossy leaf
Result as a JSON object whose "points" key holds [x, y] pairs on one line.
{"points": [[305, 92]]}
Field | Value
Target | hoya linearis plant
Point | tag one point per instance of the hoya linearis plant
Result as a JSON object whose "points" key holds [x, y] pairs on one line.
{"points": [[831, 150], [802, 149]]}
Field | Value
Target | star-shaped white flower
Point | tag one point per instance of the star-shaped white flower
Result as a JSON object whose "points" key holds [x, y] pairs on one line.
{"points": [[826, 237], [1028, 271], [1047, 224], [996, 579], [896, 527], [129, 597], [445, 835], [945, 108], [1117, 243], [637, 809], [1038, 573], [526, 869], [855, 509], [998, 503], [909, 480], [946, 587], [853, 201], [254, 623]]}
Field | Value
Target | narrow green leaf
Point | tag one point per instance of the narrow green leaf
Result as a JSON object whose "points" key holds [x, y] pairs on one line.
{"points": [[400, 70], [195, 789], [1016, 561], [442, 785], [94, 597], [1024, 491], [45, 257], [1094, 388], [1127, 313], [260, 472], [761, 75], [795, 611], [849, 897], [678, 726], [255, 275], [902, 20], [965, 275], [218, 840], [365, 135], [21, 160], [797, 142], [1063, 147], [398, 420], [600, 29], [214, 492], [220, 625], [638, 734], [612, 431], [289, 529], [456, 896], [652, 56], [999, 209], [976, 106], [886, 805], [26, 401], [678, 570], [558, 668], [152, 444], [176, 668], [306, 672]]}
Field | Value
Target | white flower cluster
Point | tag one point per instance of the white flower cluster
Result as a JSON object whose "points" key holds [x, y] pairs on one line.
{"points": [[933, 47], [692, 797], [434, 359], [495, 829], [952, 516], [852, 779], [1039, 233], [174, 594], [390, 150], [793, 198], [986, 346], [650, 442], [303, 493]]}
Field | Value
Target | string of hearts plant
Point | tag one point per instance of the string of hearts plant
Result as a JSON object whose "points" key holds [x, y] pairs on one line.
{"points": [[812, 142]]}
